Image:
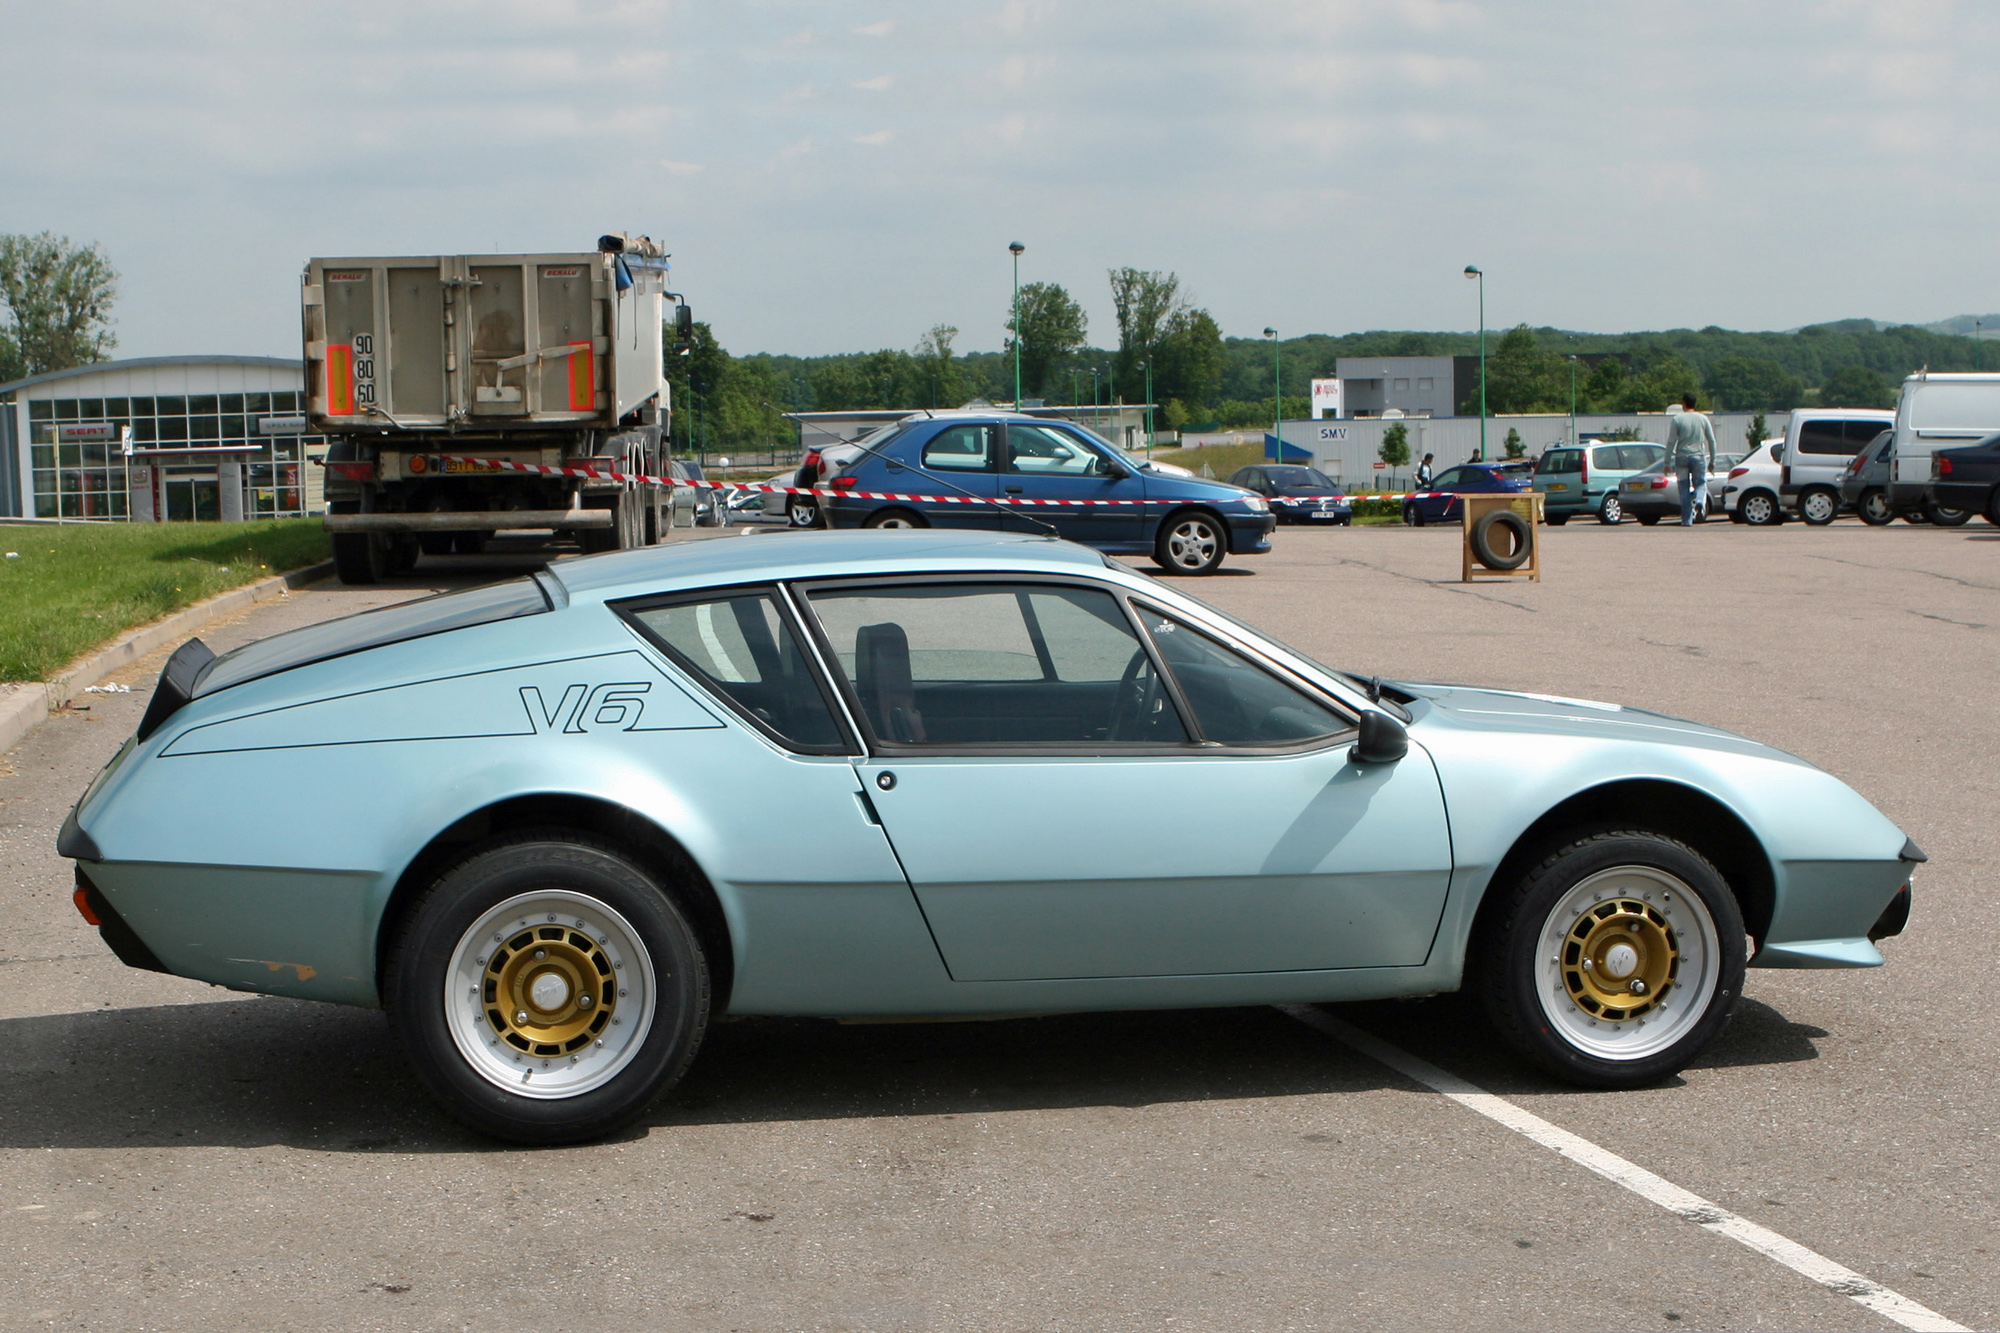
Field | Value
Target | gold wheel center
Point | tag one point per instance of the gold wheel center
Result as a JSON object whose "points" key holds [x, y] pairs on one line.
{"points": [[1620, 959], [549, 990]]}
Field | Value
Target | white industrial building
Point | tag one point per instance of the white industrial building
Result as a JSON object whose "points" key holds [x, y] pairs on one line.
{"points": [[158, 438]]}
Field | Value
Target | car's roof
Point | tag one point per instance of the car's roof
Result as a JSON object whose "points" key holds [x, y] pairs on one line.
{"points": [[756, 556]]}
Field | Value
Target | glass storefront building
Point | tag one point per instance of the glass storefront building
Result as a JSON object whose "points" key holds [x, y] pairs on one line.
{"points": [[160, 438]]}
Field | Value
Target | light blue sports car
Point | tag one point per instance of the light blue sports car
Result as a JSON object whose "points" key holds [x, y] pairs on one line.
{"points": [[1023, 778]]}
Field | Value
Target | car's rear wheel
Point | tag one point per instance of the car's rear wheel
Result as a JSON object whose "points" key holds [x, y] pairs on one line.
{"points": [[1555, 520], [1190, 543], [803, 513], [1647, 520], [1615, 961], [896, 518], [1947, 518], [1760, 509], [1819, 506], [547, 990], [1874, 507], [1612, 512]]}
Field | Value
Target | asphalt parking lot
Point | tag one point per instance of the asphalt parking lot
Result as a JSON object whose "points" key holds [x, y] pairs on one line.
{"points": [[177, 1156]]}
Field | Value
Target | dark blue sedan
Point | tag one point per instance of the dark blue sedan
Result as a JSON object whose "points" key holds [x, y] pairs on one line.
{"points": [[977, 470], [1439, 504], [1297, 494]]}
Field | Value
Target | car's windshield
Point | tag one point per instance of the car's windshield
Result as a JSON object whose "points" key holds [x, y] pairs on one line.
{"points": [[1298, 476]]}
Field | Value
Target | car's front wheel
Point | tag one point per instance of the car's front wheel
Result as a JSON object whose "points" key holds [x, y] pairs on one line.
{"points": [[1615, 961], [1413, 515], [1760, 509], [547, 989], [1611, 512], [1190, 543]]}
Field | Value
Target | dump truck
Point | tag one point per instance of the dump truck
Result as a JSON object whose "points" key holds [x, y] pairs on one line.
{"points": [[469, 395]]}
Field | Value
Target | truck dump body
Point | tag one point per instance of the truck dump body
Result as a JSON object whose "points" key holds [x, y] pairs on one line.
{"points": [[481, 343]]}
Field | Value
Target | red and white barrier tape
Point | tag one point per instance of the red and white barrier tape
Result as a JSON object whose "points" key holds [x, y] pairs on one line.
{"points": [[645, 479]]}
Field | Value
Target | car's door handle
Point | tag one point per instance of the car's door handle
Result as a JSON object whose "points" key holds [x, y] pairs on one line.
{"points": [[1013, 490]]}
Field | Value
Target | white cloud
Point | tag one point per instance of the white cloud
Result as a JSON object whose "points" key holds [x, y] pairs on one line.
{"points": [[880, 83], [673, 168], [878, 137], [882, 29]]}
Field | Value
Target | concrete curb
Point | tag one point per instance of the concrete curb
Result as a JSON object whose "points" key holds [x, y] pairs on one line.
{"points": [[23, 707]]}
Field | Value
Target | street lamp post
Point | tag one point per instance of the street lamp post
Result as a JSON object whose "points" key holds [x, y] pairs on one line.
{"points": [[1572, 400], [1147, 366], [1473, 271], [1277, 399], [1015, 249]]}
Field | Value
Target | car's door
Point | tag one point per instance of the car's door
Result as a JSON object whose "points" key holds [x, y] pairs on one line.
{"points": [[1442, 501], [1063, 807], [1097, 499], [954, 470]]}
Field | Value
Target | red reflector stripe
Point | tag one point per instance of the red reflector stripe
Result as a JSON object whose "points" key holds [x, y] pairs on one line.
{"points": [[340, 380], [82, 897], [582, 378]]}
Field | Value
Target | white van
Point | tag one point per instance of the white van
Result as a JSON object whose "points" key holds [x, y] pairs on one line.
{"points": [[1819, 444], [1937, 412]]}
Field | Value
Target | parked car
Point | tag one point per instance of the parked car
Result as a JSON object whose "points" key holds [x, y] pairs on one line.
{"points": [[684, 505], [543, 807], [1655, 494], [1718, 478], [1750, 489], [1864, 485], [1297, 494], [710, 508], [1585, 481], [1819, 444], [1937, 412], [1440, 504], [1968, 479], [988, 470]]}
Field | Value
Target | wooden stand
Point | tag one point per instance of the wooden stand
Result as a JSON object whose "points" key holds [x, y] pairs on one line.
{"points": [[1528, 505]]}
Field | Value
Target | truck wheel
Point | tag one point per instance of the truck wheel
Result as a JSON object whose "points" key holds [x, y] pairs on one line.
{"points": [[360, 557], [547, 989], [1874, 507], [1819, 506]]}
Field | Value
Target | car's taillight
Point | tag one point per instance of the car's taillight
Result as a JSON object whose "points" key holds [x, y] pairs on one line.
{"points": [[351, 471], [1659, 483], [844, 483], [1943, 466], [1586, 467], [1736, 472]]}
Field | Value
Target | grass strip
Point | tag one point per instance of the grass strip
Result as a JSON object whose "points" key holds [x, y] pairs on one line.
{"points": [[66, 589]]}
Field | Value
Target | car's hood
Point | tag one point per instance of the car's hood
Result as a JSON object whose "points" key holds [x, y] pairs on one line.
{"points": [[1507, 710], [1307, 493]]}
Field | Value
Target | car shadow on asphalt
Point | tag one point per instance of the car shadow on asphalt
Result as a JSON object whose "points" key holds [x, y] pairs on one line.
{"points": [[250, 1073]]}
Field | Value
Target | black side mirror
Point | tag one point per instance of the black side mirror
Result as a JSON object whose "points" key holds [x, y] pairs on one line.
{"points": [[1382, 740], [684, 323], [1109, 470]]}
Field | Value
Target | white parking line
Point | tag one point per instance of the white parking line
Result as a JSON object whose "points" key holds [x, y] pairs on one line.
{"points": [[1692, 1207]]}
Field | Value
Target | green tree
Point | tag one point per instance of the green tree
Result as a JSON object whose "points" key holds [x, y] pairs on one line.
{"points": [[1515, 449], [1052, 327], [1666, 379], [1604, 386], [938, 372], [58, 296], [1524, 376], [1756, 432], [695, 371], [1740, 382], [1174, 414], [1395, 448], [1856, 386], [1188, 360], [1146, 303]]}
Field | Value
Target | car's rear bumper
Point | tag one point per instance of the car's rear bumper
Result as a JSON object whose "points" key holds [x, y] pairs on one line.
{"points": [[1960, 494]]}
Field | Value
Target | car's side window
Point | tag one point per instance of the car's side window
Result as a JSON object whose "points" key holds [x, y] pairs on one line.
{"points": [[1041, 452], [960, 449], [1448, 479], [995, 664], [1824, 437], [740, 647], [1605, 456], [1639, 457], [1235, 701]]}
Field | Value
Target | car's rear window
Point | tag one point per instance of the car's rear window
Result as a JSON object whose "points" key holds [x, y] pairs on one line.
{"points": [[374, 629]]}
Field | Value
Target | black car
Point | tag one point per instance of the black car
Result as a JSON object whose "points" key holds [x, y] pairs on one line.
{"points": [[1297, 494], [1967, 479]]}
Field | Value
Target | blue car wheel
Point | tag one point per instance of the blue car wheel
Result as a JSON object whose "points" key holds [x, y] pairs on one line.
{"points": [[1615, 961], [547, 990]]}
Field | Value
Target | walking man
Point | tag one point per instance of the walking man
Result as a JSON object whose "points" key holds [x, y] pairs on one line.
{"points": [[1690, 451], [1424, 472]]}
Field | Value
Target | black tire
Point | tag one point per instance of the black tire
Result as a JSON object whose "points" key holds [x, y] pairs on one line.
{"points": [[1612, 512], [1518, 528], [436, 543], [403, 554], [1519, 927], [1555, 520], [1191, 542], [804, 512], [360, 558], [1946, 518], [594, 875], [895, 518], [1873, 508], [1413, 515], [1760, 509], [1993, 507], [1647, 520], [1819, 506]]}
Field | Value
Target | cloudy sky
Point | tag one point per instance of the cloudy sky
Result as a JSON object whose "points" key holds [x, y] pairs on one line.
{"points": [[838, 175]]}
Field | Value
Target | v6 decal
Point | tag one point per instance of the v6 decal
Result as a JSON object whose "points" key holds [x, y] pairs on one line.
{"points": [[616, 706]]}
